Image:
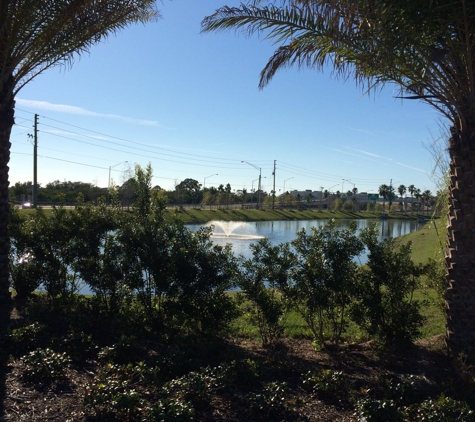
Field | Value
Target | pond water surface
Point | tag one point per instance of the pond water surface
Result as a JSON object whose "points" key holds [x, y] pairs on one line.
{"points": [[242, 234]]}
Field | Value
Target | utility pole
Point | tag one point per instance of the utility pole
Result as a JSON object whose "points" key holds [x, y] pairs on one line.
{"points": [[35, 164], [273, 189]]}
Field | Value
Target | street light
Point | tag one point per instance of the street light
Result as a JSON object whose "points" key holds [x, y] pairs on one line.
{"points": [[252, 189], [259, 187], [207, 177], [284, 184], [109, 182], [346, 180], [330, 189]]}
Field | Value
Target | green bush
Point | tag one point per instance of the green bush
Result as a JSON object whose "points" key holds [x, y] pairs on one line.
{"points": [[45, 365], [171, 410], [327, 383], [112, 393], [194, 387], [444, 409], [264, 282], [28, 338], [128, 349], [384, 305], [270, 402], [324, 281], [371, 410], [240, 372]]}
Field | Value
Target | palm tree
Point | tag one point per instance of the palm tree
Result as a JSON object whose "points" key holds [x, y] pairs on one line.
{"points": [[383, 191], [417, 195], [425, 47], [426, 197], [401, 190], [411, 189], [34, 36]]}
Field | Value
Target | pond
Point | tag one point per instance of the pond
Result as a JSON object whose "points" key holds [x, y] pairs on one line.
{"points": [[242, 234]]}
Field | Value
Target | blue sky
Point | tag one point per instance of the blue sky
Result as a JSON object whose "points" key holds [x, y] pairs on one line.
{"points": [[189, 104]]}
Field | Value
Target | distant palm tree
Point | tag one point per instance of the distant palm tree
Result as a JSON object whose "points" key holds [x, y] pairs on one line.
{"points": [[411, 189], [417, 195], [426, 197], [35, 36], [401, 190], [383, 191]]}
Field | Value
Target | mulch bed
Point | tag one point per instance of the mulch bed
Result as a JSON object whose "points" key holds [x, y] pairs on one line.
{"points": [[367, 369]]}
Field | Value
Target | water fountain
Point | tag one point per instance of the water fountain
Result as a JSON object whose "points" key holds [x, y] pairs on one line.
{"points": [[233, 230]]}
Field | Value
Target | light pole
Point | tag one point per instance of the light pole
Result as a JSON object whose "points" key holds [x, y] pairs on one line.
{"points": [[346, 180], [259, 186], [252, 189], [330, 189], [207, 177], [109, 182], [284, 184]]}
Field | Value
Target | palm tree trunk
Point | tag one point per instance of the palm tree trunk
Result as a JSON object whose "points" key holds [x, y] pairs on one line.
{"points": [[460, 251], [6, 123]]}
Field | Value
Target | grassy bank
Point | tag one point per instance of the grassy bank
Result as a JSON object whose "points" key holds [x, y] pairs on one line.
{"points": [[427, 242], [202, 216]]}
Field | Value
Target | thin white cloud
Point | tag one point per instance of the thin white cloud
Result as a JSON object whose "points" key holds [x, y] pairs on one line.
{"points": [[366, 153], [410, 167], [389, 159], [353, 154], [79, 111], [362, 131]]}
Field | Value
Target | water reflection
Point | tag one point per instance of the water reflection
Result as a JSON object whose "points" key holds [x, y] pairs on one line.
{"points": [[285, 231]]}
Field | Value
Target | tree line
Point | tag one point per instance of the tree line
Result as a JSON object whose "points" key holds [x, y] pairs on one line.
{"points": [[191, 192]]}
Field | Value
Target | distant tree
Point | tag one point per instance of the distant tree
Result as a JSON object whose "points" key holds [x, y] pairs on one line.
{"points": [[208, 198], [418, 195], [383, 191], [18, 189], [189, 191], [402, 190], [426, 197], [298, 199]]}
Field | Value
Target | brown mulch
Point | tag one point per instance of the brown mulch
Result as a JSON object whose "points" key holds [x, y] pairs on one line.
{"points": [[367, 368]]}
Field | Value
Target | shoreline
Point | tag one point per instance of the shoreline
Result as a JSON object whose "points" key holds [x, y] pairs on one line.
{"points": [[201, 216]]}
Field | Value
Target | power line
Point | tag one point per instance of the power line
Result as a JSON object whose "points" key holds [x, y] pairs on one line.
{"points": [[133, 143]]}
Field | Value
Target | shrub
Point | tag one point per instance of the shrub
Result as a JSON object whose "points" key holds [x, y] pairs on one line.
{"points": [[79, 346], [327, 383], [325, 278], [371, 410], [127, 349], [112, 393], [171, 410], [270, 402], [384, 307], [444, 409], [28, 338], [45, 365], [241, 372], [264, 282], [403, 391], [194, 386]]}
